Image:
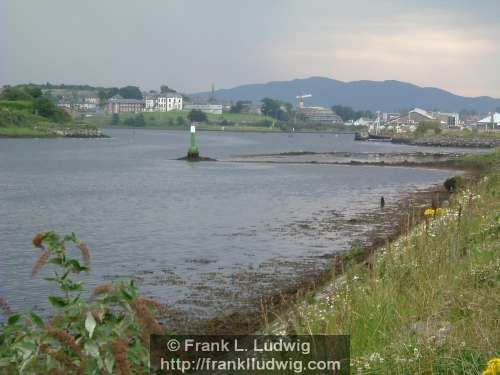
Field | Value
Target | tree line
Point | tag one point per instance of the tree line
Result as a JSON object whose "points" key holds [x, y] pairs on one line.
{"points": [[41, 105]]}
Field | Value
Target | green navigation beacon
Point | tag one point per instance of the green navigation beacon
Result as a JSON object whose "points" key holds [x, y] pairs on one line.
{"points": [[193, 153]]}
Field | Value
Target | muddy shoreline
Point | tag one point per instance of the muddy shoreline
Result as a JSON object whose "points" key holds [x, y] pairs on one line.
{"points": [[262, 307], [445, 160]]}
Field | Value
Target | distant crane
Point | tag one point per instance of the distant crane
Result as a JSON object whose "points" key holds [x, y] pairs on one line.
{"points": [[301, 99]]}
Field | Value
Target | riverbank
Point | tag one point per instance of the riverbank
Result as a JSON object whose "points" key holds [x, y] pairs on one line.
{"points": [[448, 138], [426, 302], [59, 132], [371, 228], [368, 230], [23, 119], [450, 141]]}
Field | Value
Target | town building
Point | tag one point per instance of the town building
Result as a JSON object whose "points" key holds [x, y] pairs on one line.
{"points": [[207, 108], [63, 103], [447, 119], [388, 116], [79, 103], [413, 117], [167, 102], [320, 115], [86, 104], [119, 105], [247, 106], [363, 121], [490, 121]]}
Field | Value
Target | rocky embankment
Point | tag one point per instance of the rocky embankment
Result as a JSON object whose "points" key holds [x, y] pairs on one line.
{"points": [[446, 141], [78, 133]]}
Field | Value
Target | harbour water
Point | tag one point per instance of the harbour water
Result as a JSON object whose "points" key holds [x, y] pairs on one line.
{"points": [[203, 237]]}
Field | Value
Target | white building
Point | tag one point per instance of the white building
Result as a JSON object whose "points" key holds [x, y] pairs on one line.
{"points": [[320, 115], [447, 119], [163, 102], [363, 121], [493, 118], [207, 108]]}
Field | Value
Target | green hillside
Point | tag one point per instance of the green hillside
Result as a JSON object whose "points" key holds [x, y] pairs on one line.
{"points": [[25, 112]]}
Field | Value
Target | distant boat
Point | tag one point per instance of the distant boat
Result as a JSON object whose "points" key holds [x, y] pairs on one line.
{"points": [[371, 137], [360, 136], [377, 137]]}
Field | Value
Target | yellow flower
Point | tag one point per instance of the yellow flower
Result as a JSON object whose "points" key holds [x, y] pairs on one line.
{"points": [[440, 211], [430, 212], [493, 367]]}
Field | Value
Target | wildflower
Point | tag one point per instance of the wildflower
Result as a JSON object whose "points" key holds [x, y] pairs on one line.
{"points": [[141, 308], [38, 240], [66, 339], [41, 261], [434, 212], [120, 349], [430, 212], [102, 289], [84, 249], [55, 371], [155, 304], [440, 211], [63, 359], [416, 353], [376, 357], [5, 307], [493, 367]]}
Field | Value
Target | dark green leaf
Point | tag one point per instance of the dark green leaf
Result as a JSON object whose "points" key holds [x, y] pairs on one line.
{"points": [[36, 319], [57, 301], [13, 319], [127, 295], [57, 261]]}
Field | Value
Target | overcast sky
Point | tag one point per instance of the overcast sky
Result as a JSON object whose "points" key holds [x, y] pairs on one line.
{"points": [[190, 44]]}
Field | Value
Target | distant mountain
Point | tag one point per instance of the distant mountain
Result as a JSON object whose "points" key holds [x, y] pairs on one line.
{"points": [[389, 96]]}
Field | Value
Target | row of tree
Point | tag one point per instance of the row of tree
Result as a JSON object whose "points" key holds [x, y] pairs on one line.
{"points": [[348, 114], [277, 109], [138, 120], [283, 111]]}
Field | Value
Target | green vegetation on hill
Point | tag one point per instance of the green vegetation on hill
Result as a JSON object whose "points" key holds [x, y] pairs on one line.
{"points": [[26, 112], [428, 302], [347, 113], [179, 120], [227, 121]]}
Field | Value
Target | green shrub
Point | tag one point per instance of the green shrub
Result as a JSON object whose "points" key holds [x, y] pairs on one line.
{"points": [[107, 334], [19, 105], [427, 127], [44, 107]]}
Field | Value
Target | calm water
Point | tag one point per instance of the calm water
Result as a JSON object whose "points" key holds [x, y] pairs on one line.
{"points": [[180, 228]]}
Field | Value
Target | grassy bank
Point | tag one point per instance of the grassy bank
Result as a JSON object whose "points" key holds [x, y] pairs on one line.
{"points": [[427, 303], [19, 119], [466, 133], [18, 132], [237, 122], [179, 120]]}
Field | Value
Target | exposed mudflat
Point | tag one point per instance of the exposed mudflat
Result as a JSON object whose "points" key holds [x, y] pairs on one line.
{"points": [[352, 158], [252, 295]]}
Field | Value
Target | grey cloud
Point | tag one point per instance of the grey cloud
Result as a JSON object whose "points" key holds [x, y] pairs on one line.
{"points": [[189, 44]]}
